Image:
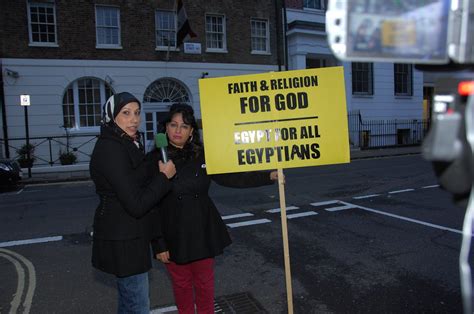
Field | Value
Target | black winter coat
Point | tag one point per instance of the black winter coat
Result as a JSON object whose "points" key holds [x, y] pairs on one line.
{"points": [[192, 227], [129, 188]]}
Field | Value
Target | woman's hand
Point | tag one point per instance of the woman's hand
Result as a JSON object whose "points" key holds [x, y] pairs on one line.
{"points": [[168, 168], [274, 176], [163, 257]]}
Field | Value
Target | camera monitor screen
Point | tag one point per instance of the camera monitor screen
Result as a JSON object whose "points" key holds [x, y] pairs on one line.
{"points": [[409, 30]]}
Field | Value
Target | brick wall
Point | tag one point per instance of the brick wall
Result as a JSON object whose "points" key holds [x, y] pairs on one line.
{"points": [[76, 30], [294, 4]]}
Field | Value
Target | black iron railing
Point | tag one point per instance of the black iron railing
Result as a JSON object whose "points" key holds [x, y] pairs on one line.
{"points": [[47, 150], [367, 134]]}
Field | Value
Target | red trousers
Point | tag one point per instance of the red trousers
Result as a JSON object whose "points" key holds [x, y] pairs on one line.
{"points": [[193, 282]]}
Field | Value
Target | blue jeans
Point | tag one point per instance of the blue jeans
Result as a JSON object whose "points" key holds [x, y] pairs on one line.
{"points": [[133, 296]]}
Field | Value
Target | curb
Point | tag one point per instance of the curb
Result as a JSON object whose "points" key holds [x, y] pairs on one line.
{"points": [[355, 155]]}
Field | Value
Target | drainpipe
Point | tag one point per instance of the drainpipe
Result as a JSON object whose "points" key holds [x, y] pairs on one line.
{"points": [[279, 23], [4, 113], [285, 29]]}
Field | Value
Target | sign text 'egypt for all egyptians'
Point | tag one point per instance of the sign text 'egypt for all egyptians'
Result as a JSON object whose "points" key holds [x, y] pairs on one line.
{"points": [[280, 152]]}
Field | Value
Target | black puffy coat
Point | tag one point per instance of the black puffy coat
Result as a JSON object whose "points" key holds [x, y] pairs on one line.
{"points": [[129, 188], [192, 227]]}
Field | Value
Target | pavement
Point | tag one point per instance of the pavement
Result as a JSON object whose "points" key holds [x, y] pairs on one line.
{"points": [[80, 172]]}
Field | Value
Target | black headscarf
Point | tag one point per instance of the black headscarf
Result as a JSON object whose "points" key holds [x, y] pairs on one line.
{"points": [[115, 103], [111, 109]]}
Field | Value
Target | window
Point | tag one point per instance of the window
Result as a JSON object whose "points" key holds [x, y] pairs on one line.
{"points": [[82, 103], [107, 27], [215, 33], [166, 91], [158, 97], [403, 78], [315, 63], [165, 29], [362, 78], [315, 4], [42, 24], [259, 36]]}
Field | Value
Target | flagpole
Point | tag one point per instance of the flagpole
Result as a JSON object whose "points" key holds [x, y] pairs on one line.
{"points": [[286, 248]]}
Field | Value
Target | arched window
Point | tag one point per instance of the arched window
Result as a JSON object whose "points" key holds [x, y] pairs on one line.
{"points": [[166, 90], [158, 98], [82, 102]]}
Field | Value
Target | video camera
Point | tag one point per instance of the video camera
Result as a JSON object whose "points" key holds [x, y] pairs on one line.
{"points": [[436, 36], [410, 31]]}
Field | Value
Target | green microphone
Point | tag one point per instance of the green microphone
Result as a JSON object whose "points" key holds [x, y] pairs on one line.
{"points": [[161, 142]]}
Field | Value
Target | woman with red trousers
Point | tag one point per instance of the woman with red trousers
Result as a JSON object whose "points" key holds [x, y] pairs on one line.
{"points": [[193, 231]]}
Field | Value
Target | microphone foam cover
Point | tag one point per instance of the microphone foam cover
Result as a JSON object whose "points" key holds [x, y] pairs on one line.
{"points": [[161, 140]]}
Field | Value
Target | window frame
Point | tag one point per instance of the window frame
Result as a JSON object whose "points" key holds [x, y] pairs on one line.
{"points": [[118, 28], [405, 78], [266, 22], [367, 79], [224, 33], [174, 30], [323, 5], [76, 117], [30, 30]]}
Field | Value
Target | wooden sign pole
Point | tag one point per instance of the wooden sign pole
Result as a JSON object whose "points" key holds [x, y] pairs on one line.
{"points": [[286, 249]]}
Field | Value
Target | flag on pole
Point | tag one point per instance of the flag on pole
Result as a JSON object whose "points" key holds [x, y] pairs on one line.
{"points": [[184, 29]]}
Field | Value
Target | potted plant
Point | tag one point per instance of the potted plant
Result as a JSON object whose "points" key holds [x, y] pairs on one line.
{"points": [[23, 152], [67, 158]]}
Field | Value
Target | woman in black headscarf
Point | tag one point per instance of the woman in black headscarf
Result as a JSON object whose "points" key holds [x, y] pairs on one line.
{"points": [[129, 188]]}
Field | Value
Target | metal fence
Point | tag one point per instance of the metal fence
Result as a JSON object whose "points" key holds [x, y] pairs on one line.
{"points": [[367, 134], [46, 150]]}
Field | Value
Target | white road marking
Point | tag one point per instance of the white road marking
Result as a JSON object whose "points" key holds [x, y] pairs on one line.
{"points": [[31, 276], [164, 310], [248, 223], [30, 241], [304, 214], [365, 196], [407, 219], [338, 208], [430, 186], [324, 203], [236, 216], [401, 191], [15, 303], [19, 191], [277, 210]]}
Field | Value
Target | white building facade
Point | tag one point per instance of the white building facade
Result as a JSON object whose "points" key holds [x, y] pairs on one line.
{"points": [[374, 91]]}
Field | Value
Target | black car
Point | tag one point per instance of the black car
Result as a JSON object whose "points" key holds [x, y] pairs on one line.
{"points": [[10, 173]]}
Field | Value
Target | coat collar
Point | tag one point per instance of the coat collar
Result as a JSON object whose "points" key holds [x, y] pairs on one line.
{"points": [[114, 133]]}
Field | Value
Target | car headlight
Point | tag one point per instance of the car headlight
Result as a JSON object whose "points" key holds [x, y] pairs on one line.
{"points": [[5, 167]]}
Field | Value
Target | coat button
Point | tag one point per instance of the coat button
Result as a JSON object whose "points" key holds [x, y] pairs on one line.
{"points": [[196, 195], [180, 197]]}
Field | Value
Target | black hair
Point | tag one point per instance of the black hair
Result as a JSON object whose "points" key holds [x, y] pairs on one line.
{"points": [[187, 112]]}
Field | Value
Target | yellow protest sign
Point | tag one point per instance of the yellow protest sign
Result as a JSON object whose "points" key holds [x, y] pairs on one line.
{"points": [[274, 120]]}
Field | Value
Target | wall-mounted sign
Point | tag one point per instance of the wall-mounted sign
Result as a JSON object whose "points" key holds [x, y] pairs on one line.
{"points": [[192, 48], [25, 100]]}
